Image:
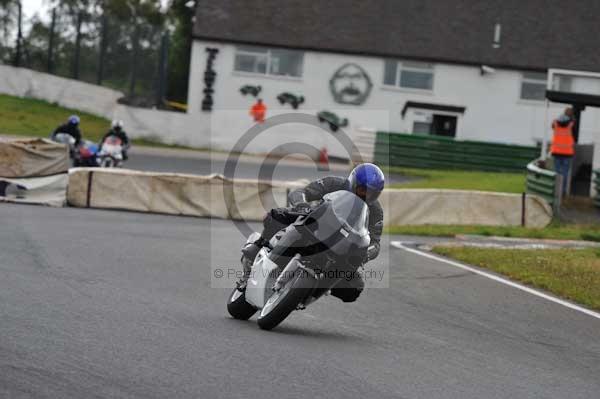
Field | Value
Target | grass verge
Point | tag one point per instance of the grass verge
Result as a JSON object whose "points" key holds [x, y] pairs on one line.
{"points": [[462, 180], [38, 118], [29, 117], [573, 274], [554, 231]]}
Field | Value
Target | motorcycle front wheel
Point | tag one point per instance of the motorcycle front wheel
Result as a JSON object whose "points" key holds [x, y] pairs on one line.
{"points": [[237, 306], [283, 302]]}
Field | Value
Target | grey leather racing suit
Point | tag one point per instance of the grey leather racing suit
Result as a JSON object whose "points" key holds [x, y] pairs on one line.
{"points": [[279, 218]]}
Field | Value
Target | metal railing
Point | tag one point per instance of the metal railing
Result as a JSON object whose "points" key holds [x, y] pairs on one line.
{"points": [[544, 183], [420, 151]]}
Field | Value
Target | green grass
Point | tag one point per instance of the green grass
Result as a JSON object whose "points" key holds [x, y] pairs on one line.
{"points": [[37, 118], [573, 274], [554, 231], [28, 117], [462, 180]]}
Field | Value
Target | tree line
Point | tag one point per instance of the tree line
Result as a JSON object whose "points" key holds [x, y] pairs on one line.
{"points": [[131, 45]]}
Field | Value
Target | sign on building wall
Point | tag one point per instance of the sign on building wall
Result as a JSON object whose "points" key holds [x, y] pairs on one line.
{"points": [[350, 84]]}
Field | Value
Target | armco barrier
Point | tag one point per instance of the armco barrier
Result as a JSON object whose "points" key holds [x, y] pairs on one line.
{"points": [[409, 150], [204, 196], [543, 183]]}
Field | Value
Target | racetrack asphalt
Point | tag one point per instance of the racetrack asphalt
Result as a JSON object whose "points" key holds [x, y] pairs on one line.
{"points": [[247, 167], [105, 304]]}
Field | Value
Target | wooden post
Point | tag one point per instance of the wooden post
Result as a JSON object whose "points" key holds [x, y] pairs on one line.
{"points": [[557, 193], [17, 61], [161, 91], [77, 46], [50, 66], [524, 209], [134, 52], [102, 52]]}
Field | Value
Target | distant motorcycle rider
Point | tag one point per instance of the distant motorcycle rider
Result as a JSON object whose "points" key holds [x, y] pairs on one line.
{"points": [[367, 182], [71, 128], [116, 129]]}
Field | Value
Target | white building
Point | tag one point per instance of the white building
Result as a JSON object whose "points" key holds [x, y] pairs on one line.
{"points": [[470, 69]]}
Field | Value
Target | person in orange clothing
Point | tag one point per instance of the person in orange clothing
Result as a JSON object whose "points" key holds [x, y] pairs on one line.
{"points": [[563, 145], [258, 111]]}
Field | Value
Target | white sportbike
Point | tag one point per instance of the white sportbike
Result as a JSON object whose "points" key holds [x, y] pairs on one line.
{"points": [[302, 261], [111, 153]]}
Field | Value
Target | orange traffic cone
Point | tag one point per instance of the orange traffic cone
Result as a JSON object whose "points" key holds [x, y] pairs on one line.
{"points": [[323, 156]]}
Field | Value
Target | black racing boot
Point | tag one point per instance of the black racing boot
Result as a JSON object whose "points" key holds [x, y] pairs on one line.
{"points": [[249, 252]]}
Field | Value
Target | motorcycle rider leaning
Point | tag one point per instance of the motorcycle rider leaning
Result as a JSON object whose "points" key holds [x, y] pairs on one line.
{"points": [[71, 128], [367, 182], [116, 129]]}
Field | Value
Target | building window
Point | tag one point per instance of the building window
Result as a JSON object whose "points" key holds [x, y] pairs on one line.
{"points": [[437, 125], [266, 61], [533, 86], [408, 75]]}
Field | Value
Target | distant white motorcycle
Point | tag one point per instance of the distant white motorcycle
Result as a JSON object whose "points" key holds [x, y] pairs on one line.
{"points": [[111, 153]]}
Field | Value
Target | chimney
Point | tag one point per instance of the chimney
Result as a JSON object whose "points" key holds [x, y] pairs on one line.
{"points": [[497, 35]]}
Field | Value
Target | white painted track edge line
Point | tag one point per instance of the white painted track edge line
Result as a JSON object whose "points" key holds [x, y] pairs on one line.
{"points": [[400, 245]]}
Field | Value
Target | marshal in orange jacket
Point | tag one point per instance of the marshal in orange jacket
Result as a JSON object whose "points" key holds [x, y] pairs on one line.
{"points": [[563, 142], [258, 111]]}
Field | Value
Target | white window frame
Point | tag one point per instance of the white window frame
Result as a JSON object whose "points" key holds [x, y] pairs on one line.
{"points": [[400, 66], [542, 82], [268, 55]]}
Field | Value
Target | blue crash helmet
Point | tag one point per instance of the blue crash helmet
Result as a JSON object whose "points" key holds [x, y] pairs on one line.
{"points": [[367, 181], [74, 120]]}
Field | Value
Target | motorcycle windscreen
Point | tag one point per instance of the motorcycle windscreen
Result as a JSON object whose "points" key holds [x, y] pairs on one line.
{"points": [[113, 140], [342, 223]]}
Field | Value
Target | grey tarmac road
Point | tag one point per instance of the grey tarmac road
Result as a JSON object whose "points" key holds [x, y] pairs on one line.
{"points": [[169, 160], [103, 304]]}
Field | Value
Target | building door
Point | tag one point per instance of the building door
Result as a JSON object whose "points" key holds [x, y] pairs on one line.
{"points": [[443, 125]]}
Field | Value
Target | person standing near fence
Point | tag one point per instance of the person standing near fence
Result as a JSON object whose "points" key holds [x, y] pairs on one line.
{"points": [[563, 145], [258, 111]]}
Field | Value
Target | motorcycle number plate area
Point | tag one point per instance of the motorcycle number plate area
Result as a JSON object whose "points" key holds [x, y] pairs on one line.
{"points": [[260, 283]]}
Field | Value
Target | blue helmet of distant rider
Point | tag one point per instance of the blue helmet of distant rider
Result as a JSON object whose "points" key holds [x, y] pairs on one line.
{"points": [[73, 120]]}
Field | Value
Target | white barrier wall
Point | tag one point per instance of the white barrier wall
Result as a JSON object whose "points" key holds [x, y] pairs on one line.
{"points": [[220, 129], [68, 93], [169, 127], [47, 190], [33, 171]]}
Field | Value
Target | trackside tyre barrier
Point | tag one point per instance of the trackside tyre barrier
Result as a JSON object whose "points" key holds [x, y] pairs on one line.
{"points": [[204, 196], [33, 171], [544, 183], [173, 193], [462, 207]]}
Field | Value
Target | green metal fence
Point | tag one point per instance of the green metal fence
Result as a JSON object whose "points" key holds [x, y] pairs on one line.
{"points": [[417, 151], [543, 183]]}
